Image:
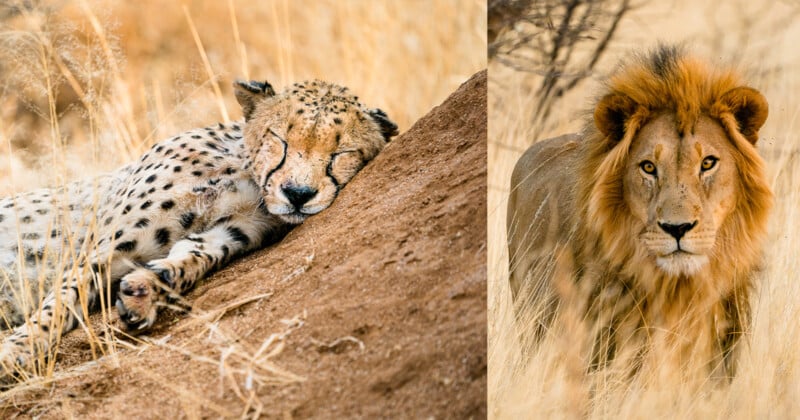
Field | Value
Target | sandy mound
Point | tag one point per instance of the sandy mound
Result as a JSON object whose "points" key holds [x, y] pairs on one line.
{"points": [[375, 307]]}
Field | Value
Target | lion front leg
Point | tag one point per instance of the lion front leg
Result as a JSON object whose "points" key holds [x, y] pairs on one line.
{"points": [[143, 291]]}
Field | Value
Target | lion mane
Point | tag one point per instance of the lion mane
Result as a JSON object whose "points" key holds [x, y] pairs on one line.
{"points": [[630, 307]]}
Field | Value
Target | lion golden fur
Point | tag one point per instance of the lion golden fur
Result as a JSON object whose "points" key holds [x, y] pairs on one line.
{"points": [[581, 253]]}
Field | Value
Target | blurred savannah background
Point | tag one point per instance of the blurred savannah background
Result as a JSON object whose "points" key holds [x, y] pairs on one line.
{"points": [[545, 61], [88, 85]]}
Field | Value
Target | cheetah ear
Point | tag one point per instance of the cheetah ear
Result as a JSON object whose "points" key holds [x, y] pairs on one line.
{"points": [[388, 128], [611, 114], [249, 93], [748, 107]]}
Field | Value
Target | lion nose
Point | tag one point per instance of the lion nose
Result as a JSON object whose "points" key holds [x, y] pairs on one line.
{"points": [[298, 195], [677, 231]]}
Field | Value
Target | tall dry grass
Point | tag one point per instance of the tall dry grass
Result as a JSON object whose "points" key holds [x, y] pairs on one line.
{"points": [[88, 85], [760, 38], [83, 77]]}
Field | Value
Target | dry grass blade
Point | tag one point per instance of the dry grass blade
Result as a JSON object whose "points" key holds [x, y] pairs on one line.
{"points": [[223, 111]]}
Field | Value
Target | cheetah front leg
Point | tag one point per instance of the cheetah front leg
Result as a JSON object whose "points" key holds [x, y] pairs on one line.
{"points": [[145, 290]]}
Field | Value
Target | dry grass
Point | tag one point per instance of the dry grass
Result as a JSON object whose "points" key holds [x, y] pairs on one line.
{"points": [[84, 78], [88, 85], [760, 37]]}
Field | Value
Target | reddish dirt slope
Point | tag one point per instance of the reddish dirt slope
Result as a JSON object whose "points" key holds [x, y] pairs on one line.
{"points": [[395, 271]]}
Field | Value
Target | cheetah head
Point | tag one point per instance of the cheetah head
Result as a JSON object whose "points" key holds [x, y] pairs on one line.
{"points": [[307, 142]]}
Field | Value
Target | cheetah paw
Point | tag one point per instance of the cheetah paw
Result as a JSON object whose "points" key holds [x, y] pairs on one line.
{"points": [[138, 298]]}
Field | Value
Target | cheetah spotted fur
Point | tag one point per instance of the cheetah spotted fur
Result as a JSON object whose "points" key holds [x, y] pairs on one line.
{"points": [[152, 229]]}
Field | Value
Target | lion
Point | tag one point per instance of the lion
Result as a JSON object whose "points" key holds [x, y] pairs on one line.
{"points": [[648, 225]]}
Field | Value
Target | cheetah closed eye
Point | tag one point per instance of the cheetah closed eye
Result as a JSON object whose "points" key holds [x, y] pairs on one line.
{"points": [[189, 205]]}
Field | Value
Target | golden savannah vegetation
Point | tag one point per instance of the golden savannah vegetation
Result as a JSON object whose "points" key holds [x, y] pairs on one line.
{"points": [[539, 379]]}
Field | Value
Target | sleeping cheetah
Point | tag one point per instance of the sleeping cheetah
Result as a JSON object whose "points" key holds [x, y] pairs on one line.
{"points": [[150, 230]]}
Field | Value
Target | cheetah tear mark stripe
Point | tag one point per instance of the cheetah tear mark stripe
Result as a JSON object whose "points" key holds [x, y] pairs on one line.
{"points": [[280, 164]]}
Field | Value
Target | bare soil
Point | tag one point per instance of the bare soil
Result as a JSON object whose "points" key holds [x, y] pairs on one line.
{"points": [[376, 306]]}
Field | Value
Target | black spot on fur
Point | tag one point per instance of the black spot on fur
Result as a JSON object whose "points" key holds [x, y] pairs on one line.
{"points": [[225, 251], [168, 186], [167, 205], [162, 236], [118, 234], [126, 246], [42, 211], [142, 223], [26, 219], [196, 136], [187, 219], [126, 209], [150, 179], [178, 168], [146, 204], [31, 236], [237, 235], [197, 173], [221, 220]]}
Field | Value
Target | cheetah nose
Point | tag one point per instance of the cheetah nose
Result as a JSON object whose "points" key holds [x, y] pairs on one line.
{"points": [[677, 231], [298, 195]]}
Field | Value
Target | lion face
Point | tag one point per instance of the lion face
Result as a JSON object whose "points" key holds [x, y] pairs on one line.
{"points": [[681, 182], [307, 143], [680, 190]]}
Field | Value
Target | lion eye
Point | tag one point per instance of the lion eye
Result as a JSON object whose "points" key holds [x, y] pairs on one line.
{"points": [[648, 167], [708, 163]]}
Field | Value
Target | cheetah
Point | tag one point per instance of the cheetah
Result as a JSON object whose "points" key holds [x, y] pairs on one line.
{"points": [[148, 232]]}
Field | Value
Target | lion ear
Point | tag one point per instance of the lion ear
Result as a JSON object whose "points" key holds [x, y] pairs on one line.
{"points": [[611, 113], [249, 93], [748, 106]]}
